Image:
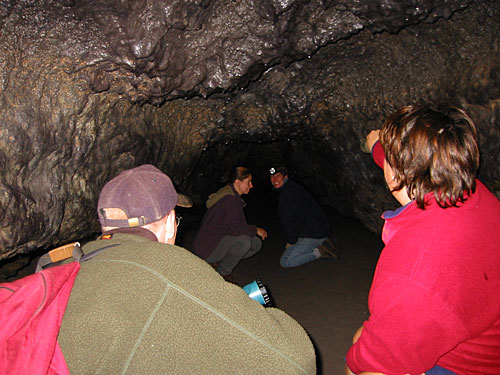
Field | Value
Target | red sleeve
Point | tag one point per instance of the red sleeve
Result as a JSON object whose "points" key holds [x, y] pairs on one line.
{"points": [[409, 329], [378, 154]]}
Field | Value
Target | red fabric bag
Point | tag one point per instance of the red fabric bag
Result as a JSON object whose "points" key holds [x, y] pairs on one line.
{"points": [[31, 312]]}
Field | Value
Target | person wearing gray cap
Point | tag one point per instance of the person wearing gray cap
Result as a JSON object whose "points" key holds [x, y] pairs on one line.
{"points": [[146, 306]]}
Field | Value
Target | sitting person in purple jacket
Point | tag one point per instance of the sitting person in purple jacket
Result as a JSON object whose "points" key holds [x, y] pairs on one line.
{"points": [[225, 237]]}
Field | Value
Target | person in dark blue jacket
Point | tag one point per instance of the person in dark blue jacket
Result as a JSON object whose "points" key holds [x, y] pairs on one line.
{"points": [[305, 224]]}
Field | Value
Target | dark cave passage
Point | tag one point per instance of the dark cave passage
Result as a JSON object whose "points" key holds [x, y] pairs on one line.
{"points": [[310, 162], [211, 173]]}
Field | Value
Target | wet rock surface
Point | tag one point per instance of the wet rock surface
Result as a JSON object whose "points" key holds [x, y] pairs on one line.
{"points": [[89, 88]]}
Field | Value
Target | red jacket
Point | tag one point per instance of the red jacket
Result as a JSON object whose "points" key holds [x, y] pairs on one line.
{"points": [[435, 296], [32, 309]]}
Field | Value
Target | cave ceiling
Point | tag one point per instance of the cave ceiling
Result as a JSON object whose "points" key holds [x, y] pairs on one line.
{"points": [[91, 87]]}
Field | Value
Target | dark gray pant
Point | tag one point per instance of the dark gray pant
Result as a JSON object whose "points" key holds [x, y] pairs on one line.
{"points": [[231, 249]]}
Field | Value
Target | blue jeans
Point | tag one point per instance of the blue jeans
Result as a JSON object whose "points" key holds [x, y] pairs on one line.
{"points": [[301, 252], [437, 370]]}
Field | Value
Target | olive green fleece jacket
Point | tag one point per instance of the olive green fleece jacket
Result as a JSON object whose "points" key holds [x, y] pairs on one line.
{"points": [[142, 307]]}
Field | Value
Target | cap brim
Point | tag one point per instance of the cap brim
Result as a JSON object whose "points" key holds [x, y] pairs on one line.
{"points": [[184, 201]]}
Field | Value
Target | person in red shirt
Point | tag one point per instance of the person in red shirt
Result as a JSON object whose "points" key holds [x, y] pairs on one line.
{"points": [[435, 297]]}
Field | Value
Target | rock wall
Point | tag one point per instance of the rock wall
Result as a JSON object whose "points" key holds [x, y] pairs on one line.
{"points": [[89, 88]]}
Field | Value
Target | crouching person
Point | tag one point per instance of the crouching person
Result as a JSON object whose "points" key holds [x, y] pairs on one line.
{"points": [[146, 306], [225, 237]]}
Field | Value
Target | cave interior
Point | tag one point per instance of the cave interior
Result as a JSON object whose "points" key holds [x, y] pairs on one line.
{"points": [[90, 88]]}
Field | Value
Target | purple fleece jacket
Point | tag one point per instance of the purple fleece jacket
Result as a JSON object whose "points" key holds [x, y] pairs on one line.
{"points": [[225, 217]]}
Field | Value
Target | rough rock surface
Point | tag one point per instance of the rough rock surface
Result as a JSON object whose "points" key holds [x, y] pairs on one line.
{"points": [[89, 88]]}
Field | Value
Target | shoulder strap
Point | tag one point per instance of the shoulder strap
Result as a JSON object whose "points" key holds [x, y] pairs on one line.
{"points": [[53, 257], [71, 250]]}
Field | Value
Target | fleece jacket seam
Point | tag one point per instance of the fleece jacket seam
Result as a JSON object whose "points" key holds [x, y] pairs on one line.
{"points": [[144, 330], [206, 306]]}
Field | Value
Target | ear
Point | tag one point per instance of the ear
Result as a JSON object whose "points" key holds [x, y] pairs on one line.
{"points": [[170, 228], [236, 185]]}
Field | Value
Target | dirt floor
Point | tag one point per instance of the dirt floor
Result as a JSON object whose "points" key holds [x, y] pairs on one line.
{"points": [[328, 297]]}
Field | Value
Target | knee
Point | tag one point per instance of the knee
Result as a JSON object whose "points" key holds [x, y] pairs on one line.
{"points": [[284, 262], [256, 243], [243, 242]]}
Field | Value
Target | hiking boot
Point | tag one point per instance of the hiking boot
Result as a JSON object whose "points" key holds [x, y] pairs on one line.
{"points": [[328, 250]]}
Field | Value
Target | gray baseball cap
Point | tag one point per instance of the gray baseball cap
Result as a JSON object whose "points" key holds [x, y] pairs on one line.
{"points": [[144, 193]]}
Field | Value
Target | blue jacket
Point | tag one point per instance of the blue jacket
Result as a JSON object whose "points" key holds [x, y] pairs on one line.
{"points": [[300, 214]]}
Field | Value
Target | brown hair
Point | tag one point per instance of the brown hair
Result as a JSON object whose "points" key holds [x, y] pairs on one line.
{"points": [[432, 150], [239, 173]]}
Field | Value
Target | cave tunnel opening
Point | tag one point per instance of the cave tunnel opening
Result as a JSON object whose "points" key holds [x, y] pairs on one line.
{"points": [[310, 162]]}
